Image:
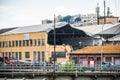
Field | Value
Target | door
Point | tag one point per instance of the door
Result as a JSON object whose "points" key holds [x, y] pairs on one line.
{"points": [[117, 60]]}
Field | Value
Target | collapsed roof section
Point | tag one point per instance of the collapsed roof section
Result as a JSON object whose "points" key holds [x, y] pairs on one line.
{"points": [[64, 33]]}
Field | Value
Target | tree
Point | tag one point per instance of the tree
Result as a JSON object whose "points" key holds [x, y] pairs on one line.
{"points": [[67, 18], [77, 19]]}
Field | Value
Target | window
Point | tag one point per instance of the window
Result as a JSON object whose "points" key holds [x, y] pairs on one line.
{"points": [[6, 43], [34, 56], [20, 43], [43, 56], [12, 54], [98, 60], [20, 55], [34, 42], [12, 43], [16, 55], [43, 42], [16, 43], [9, 54], [27, 55], [108, 59], [23, 42], [3, 55], [3, 44], [38, 42], [38, 56], [90, 58], [27, 42], [31, 43], [0, 44], [9, 43], [6, 54], [59, 55]]}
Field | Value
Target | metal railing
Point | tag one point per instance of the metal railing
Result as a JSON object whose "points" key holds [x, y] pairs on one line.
{"points": [[59, 68]]}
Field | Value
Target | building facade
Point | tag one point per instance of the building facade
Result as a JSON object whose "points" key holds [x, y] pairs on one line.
{"points": [[94, 53], [108, 20], [31, 46]]}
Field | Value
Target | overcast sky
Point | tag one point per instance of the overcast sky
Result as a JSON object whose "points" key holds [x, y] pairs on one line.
{"points": [[16, 13]]}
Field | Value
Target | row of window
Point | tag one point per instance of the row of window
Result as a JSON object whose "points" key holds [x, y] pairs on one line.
{"points": [[59, 54], [18, 55], [19, 43], [36, 55]]}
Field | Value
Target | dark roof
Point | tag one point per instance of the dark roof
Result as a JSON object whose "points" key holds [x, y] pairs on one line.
{"points": [[6, 29]]}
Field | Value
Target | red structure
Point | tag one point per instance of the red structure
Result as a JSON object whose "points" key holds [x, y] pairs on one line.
{"points": [[93, 53]]}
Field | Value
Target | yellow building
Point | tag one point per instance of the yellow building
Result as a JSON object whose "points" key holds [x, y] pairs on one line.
{"points": [[31, 43]]}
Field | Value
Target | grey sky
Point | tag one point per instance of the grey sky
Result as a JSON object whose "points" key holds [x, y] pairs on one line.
{"points": [[14, 13]]}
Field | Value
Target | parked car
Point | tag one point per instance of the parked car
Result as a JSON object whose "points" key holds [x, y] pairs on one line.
{"points": [[105, 66]]}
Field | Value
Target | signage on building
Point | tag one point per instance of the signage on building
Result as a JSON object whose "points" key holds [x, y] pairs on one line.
{"points": [[26, 36]]}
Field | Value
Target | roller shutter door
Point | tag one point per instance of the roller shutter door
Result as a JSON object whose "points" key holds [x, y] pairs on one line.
{"points": [[117, 61]]}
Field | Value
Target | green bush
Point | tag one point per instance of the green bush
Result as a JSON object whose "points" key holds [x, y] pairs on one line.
{"points": [[68, 66]]}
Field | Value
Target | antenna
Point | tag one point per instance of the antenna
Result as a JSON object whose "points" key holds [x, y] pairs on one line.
{"points": [[97, 11], [108, 11]]}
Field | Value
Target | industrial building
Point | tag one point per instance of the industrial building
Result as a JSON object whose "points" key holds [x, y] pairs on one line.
{"points": [[36, 42]]}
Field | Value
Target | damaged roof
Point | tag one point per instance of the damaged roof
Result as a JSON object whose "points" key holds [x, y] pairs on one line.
{"points": [[89, 30]]}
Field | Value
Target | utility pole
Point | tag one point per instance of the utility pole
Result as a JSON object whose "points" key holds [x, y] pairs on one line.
{"points": [[54, 57]]}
